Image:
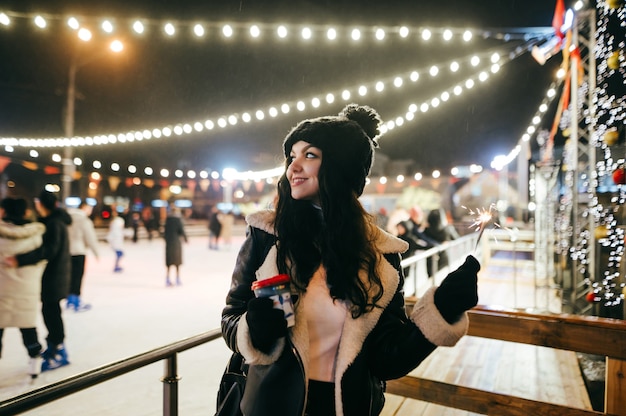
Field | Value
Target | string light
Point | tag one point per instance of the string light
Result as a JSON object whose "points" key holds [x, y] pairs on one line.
{"points": [[187, 128], [379, 33], [610, 114], [197, 29]]}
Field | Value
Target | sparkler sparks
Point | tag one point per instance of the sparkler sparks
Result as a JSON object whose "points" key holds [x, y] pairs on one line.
{"points": [[482, 217]]}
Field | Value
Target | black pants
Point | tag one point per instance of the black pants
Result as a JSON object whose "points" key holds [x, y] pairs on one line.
{"points": [[321, 399], [51, 312], [29, 337], [78, 270]]}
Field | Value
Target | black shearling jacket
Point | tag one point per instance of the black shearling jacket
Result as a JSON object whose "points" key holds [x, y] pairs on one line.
{"points": [[379, 345]]}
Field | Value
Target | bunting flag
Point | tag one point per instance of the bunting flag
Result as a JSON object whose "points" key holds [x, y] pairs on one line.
{"points": [[30, 165], [563, 103], [163, 183], [128, 182], [76, 175], [575, 55], [191, 184], [204, 184], [380, 187], [148, 183], [4, 162], [51, 170], [246, 185], [114, 181], [259, 185], [559, 17], [215, 184]]}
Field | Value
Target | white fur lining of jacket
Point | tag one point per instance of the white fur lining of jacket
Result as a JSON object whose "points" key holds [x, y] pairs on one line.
{"points": [[434, 327], [356, 330]]}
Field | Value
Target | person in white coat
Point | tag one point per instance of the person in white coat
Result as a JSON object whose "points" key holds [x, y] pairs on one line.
{"points": [[20, 287], [82, 238]]}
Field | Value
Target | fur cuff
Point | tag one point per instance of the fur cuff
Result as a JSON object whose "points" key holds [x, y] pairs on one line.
{"points": [[251, 354], [436, 329]]}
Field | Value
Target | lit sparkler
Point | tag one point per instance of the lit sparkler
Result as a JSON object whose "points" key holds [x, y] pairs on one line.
{"points": [[482, 217]]}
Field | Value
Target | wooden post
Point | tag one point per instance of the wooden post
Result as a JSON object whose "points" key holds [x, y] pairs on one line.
{"points": [[615, 389]]}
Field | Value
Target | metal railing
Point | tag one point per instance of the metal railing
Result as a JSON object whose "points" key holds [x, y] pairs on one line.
{"points": [[74, 384], [423, 261]]}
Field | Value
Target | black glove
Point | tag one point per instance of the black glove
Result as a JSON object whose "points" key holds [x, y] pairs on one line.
{"points": [[459, 291], [266, 324]]}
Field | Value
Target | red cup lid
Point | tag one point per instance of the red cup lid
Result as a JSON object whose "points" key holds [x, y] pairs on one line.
{"points": [[272, 281]]}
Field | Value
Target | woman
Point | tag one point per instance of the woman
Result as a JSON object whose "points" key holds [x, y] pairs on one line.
{"points": [[20, 287], [174, 232], [351, 331]]}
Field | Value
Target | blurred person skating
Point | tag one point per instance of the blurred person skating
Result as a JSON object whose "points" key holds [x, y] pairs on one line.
{"points": [[115, 238], [135, 220], [56, 275], [82, 238], [227, 220], [215, 228], [174, 234], [351, 329], [150, 221], [20, 287]]}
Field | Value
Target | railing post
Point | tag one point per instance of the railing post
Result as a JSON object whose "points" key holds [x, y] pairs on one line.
{"points": [[170, 387], [615, 385]]}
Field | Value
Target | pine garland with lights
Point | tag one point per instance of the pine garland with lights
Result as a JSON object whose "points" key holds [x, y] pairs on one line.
{"points": [[608, 289]]}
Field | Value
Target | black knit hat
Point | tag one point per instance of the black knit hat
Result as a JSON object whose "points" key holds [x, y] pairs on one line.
{"points": [[14, 208], [48, 200], [347, 142]]}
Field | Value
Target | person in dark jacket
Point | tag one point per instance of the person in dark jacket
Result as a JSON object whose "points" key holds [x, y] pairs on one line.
{"points": [[215, 228], [56, 276], [351, 329], [173, 232], [403, 229], [439, 230]]}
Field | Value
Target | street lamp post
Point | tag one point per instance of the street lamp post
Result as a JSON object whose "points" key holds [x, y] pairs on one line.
{"points": [[67, 161]]}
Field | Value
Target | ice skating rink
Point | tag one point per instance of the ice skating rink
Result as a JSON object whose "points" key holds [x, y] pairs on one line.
{"points": [[134, 312]]}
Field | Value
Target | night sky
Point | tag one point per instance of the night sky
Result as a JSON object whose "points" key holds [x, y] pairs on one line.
{"points": [[159, 81]]}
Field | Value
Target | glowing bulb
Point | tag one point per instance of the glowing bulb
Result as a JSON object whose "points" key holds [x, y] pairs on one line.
{"points": [[107, 26], [40, 22], [138, 27], [169, 29], [198, 30]]}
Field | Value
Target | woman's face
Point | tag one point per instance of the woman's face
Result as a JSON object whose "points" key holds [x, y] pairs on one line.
{"points": [[303, 171]]}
